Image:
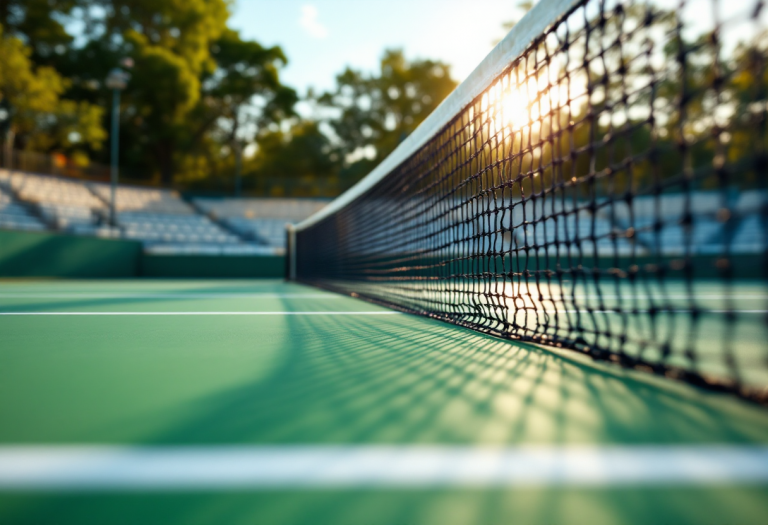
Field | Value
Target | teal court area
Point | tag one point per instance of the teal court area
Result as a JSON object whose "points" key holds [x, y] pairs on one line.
{"points": [[265, 367]]}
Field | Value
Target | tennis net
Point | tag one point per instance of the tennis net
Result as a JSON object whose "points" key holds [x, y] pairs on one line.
{"points": [[599, 183]]}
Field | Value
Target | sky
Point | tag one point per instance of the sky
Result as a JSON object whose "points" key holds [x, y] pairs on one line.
{"points": [[321, 37]]}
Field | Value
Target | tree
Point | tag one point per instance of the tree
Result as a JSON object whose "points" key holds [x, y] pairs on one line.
{"points": [[198, 93], [747, 91], [302, 155], [40, 24], [162, 93], [169, 41], [41, 119], [197, 89], [243, 94], [373, 113]]}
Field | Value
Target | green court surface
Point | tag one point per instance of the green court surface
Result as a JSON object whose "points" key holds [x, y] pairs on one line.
{"points": [[209, 376]]}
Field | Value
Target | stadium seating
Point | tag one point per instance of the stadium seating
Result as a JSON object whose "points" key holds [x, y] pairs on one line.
{"points": [[14, 216], [150, 215], [67, 204], [144, 200], [165, 223], [159, 227], [750, 236], [538, 226], [262, 220]]}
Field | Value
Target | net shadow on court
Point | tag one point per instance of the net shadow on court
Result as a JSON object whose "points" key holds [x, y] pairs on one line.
{"points": [[403, 379]]}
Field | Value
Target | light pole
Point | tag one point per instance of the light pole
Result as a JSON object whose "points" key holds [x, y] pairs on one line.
{"points": [[116, 81]]}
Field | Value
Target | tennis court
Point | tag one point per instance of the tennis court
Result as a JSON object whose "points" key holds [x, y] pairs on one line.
{"points": [[282, 369], [546, 305]]}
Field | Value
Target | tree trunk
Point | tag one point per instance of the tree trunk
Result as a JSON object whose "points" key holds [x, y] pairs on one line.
{"points": [[8, 145], [164, 154], [236, 149], [238, 168]]}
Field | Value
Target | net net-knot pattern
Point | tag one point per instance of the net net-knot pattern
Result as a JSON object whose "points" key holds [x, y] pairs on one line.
{"points": [[606, 192]]}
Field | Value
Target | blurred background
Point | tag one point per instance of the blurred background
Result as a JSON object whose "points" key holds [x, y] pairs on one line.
{"points": [[202, 127]]}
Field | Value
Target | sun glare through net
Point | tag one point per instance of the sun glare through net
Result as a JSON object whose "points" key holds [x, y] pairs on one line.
{"points": [[604, 191]]}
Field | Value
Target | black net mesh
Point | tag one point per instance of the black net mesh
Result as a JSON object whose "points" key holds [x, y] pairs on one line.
{"points": [[605, 193]]}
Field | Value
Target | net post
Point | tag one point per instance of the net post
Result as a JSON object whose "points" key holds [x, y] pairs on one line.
{"points": [[290, 252]]}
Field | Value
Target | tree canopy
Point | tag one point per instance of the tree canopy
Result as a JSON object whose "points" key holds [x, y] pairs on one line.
{"points": [[41, 119], [206, 107], [199, 97], [196, 89], [371, 113]]}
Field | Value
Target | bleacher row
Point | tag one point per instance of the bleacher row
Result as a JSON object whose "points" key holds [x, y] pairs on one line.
{"points": [[166, 223], [161, 219], [615, 227], [14, 216]]}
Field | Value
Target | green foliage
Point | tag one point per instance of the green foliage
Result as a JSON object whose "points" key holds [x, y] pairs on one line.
{"points": [[368, 115], [199, 94], [41, 119], [28, 88], [245, 69], [185, 28], [40, 24], [302, 152], [73, 127], [374, 113], [243, 95], [749, 88], [170, 42], [195, 88], [164, 89]]}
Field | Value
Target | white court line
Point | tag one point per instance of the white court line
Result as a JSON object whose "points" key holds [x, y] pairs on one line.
{"points": [[529, 311], [532, 310], [87, 295], [563, 298], [645, 312], [171, 468], [384, 312], [673, 310], [655, 295]]}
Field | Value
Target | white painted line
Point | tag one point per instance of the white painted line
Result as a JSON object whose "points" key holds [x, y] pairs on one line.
{"points": [[738, 311], [661, 297], [530, 310], [659, 311], [171, 468], [512, 311], [658, 297], [565, 297], [383, 312], [88, 295]]}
